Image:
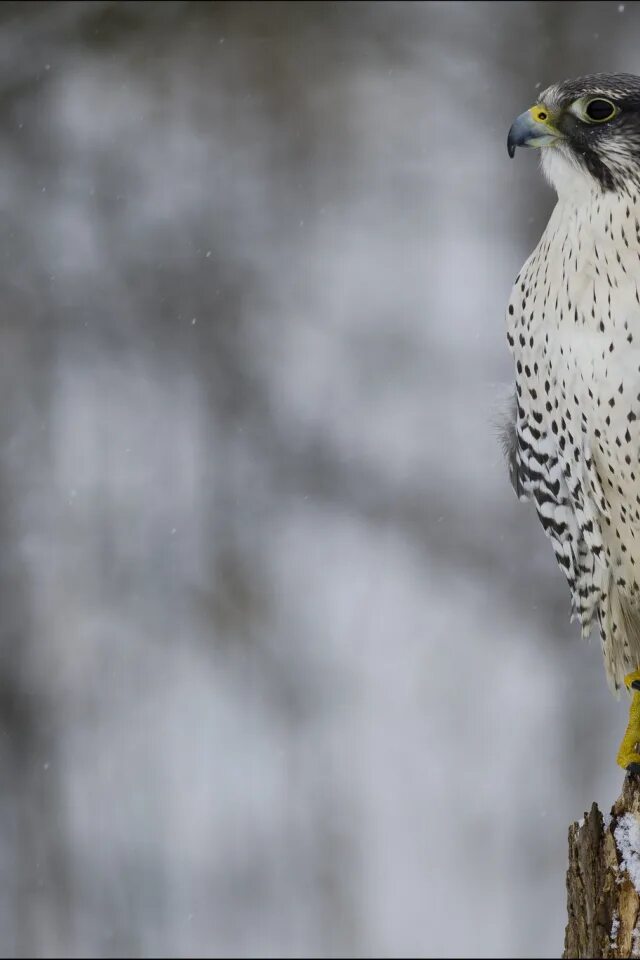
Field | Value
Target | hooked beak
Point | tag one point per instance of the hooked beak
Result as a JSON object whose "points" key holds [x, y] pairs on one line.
{"points": [[533, 128]]}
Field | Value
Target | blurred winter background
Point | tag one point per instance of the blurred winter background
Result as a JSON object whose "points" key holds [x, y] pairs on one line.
{"points": [[285, 669]]}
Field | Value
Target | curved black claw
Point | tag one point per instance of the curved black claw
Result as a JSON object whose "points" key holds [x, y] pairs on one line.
{"points": [[634, 768]]}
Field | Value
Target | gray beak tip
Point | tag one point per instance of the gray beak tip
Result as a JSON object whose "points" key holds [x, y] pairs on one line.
{"points": [[529, 131]]}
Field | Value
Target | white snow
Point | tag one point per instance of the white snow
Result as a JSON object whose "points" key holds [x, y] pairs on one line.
{"points": [[627, 835], [615, 926]]}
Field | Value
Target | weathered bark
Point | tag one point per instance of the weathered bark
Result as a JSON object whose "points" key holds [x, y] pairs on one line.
{"points": [[603, 880]]}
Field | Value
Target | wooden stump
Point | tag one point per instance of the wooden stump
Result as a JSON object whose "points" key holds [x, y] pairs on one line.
{"points": [[603, 880]]}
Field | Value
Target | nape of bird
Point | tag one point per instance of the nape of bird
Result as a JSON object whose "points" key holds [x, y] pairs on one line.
{"points": [[573, 327]]}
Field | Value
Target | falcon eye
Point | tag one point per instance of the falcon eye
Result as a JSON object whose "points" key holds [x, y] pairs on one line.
{"points": [[600, 110]]}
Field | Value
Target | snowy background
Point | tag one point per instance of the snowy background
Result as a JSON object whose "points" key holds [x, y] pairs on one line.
{"points": [[284, 667]]}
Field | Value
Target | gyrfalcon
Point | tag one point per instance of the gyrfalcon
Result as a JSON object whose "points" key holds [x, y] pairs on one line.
{"points": [[573, 327]]}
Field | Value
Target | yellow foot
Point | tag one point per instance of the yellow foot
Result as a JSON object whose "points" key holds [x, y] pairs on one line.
{"points": [[628, 755], [632, 680]]}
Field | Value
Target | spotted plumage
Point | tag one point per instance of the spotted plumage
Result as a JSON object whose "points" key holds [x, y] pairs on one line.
{"points": [[573, 327]]}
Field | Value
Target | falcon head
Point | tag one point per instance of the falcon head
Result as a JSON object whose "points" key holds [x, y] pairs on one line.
{"points": [[590, 131]]}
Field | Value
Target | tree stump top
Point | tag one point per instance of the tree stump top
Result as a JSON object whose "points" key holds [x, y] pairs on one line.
{"points": [[603, 880]]}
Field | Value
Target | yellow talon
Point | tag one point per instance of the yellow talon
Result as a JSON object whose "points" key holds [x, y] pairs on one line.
{"points": [[630, 677], [628, 753]]}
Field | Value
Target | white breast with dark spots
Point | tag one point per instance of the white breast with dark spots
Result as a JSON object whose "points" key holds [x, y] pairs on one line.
{"points": [[574, 330]]}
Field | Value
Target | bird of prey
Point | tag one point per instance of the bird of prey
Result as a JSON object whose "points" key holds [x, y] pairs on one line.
{"points": [[573, 327]]}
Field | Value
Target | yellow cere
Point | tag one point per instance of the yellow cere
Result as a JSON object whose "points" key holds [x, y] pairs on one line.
{"points": [[540, 114]]}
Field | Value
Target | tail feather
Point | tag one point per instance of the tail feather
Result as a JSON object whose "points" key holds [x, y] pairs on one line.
{"points": [[620, 630]]}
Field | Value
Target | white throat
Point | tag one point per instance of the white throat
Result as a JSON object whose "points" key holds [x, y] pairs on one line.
{"points": [[569, 179]]}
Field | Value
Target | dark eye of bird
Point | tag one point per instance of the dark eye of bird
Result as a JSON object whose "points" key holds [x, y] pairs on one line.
{"points": [[600, 110]]}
